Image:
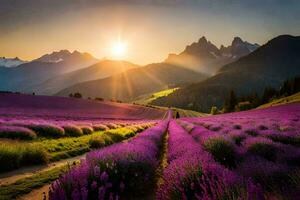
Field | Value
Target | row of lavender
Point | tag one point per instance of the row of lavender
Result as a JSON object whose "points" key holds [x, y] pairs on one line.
{"points": [[192, 173], [31, 129], [261, 145], [124, 169], [219, 157]]}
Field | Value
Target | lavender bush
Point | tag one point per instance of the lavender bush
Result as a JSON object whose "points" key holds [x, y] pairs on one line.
{"points": [[191, 172], [16, 132], [122, 169]]}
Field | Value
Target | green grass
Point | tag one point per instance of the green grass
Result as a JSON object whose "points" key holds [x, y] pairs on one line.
{"points": [[13, 155], [22, 153], [26, 185], [222, 151], [148, 98], [285, 100], [188, 113]]}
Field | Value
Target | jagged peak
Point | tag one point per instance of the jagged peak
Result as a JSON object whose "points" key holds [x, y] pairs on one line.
{"points": [[202, 40], [236, 41]]}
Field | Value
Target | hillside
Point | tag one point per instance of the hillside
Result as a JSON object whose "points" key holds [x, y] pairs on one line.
{"points": [[10, 62], [25, 76], [135, 82], [295, 98], [269, 65], [60, 108], [99, 70], [203, 56], [148, 98]]}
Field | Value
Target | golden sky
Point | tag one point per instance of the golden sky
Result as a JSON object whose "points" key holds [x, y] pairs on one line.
{"points": [[150, 31]]}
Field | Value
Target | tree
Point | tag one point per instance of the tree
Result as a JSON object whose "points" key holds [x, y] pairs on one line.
{"points": [[99, 99], [230, 102], [214, 110], [245, 105], [268, 94], [77, 95]]}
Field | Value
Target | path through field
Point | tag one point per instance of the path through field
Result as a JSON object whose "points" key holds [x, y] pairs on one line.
{"points": [[37, 194], [13, 176]]}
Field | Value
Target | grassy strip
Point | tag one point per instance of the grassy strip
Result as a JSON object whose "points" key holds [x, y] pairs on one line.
{"points": [[163, 160], [26, 185], [14, 155], [285, 100], [18, 154]]}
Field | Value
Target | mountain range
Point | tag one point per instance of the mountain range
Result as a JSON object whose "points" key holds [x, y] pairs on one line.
{"points": [[64, 71], [101, 69], [25, 76], [203, 56], [268, 66], [176, 70], [11, 62], [135, 82], [204, 73]]}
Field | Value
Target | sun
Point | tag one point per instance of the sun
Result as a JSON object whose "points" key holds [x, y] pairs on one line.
{"points": [[119, 49]]}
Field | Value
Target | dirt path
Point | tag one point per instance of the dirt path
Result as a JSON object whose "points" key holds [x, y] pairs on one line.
{"points": [[13, 176], [37, 194]]}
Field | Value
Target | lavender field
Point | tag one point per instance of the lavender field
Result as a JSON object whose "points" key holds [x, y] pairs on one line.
{"points": [[246, 155], [37, 130], [137, 152]]}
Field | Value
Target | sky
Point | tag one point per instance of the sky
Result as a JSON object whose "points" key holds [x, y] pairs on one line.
{"points": [[150, 29]]}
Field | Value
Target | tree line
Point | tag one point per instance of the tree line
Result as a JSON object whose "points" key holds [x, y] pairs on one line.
{"points": [[233, 103]]}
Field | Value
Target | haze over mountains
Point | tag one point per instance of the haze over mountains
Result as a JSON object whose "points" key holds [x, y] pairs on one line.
{"points": [[101, 69], [23, 77], [54, 72], [204, 72], [10, 62], [203, 56], [135, 82], [269, 65], [197, 62]]}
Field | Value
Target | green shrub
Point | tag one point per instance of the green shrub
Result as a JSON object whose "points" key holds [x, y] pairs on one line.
{"points": [[107, 139], [34, 154], [100, 127], [112, 126], [72, 131], [87, 130], [285, 139], [15, 155], [16, 132], [9, 158], [241, 106], [120, 134], [214, 110], [222, 150], [47, 130], [238, 138], [237, 127], [252, 132], [265, 150], [96, 142], [115, 137]]}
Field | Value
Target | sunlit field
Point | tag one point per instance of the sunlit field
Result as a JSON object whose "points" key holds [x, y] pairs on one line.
{"points": [[149, 100]]}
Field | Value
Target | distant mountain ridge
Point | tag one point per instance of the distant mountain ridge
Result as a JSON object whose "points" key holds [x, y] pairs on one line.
{"points": [[269, 65], [134, 82], [25, 76], [102, 69], [11, 62], [64, 71], [203, 56]]}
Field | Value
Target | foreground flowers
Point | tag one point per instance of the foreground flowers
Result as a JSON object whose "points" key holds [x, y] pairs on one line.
{"points": [[250, 155], [192, 173], [126, 168]]}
